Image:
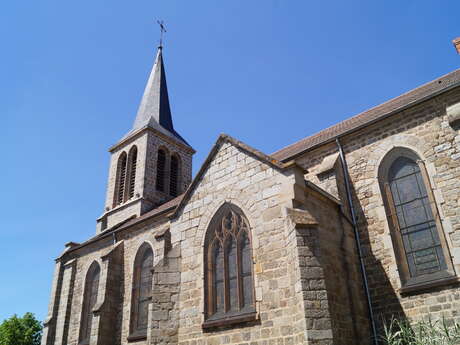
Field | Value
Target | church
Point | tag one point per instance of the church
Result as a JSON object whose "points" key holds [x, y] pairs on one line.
{"points": [[317, 243]]}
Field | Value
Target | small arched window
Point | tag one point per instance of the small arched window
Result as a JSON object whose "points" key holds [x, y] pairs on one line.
{"points": [[229, 282], [132, 171], [161, 167], [89, 301], [121, 179], [417, 232], [141, 290], [174, 176]]}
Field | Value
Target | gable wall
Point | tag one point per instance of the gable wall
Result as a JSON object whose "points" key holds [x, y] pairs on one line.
{"points": [[257, 189]]}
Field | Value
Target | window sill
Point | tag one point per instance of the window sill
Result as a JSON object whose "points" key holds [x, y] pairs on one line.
{"points": [[419, 287], [136, 337], [208, 324]]}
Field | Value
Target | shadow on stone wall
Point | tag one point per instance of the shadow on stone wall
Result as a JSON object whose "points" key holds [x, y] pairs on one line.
{"points": [[385, 301]]}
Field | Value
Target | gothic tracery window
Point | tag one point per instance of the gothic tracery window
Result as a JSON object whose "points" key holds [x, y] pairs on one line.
{"points": [[229, 287], [412, 212], [141, 290], [89, 301]]}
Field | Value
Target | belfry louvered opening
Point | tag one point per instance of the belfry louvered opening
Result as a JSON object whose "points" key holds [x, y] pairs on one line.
{"points": [[174, 176], [161, 167], [121, 179], [132, 171]]}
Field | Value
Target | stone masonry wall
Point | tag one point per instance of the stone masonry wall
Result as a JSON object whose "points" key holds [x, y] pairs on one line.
{"points": [[291, 296], [115, 283], [171, 148], [425, 130], [335, 306]]}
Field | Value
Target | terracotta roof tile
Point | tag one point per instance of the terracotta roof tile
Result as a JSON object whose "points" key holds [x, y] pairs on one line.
{"points": [[381, 111]]}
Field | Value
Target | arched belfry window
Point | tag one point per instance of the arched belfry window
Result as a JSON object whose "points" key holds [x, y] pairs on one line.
{"points": [[141, 291], [417, 234], [120, 184], [174, 176], [89, 301], [161, 167], [229, 282], [132, 161]]}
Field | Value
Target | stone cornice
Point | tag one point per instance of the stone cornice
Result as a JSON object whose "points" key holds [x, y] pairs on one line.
{"points": [[161, 135]]}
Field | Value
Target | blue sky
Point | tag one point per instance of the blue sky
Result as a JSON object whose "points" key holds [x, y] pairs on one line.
{"points": [[267, 72]]}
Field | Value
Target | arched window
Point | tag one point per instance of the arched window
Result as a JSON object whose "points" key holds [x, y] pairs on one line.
{"points": [[161, 165], [132, 171], [141, 290], [89, 301], [121, 179], [229, 287], [412, 213], [174, 176]]}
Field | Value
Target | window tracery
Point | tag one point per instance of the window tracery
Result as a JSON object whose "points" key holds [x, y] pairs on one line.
{"points": [[229, 292]]}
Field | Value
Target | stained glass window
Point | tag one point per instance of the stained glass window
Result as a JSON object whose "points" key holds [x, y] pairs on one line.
{"points": [[415, 218], [141, 290], [228, 258]]}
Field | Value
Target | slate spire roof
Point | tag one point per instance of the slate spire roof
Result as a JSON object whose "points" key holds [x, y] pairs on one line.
{"points": [[154, 110]]}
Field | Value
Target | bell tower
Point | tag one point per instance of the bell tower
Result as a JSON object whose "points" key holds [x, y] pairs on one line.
{"points": [[152, 163]]}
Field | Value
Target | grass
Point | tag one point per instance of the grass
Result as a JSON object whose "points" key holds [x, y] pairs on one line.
{"points": [[440, 332]]}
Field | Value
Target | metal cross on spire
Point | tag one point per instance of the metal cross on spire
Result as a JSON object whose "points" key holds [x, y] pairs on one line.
{"points": [[162, 30]]}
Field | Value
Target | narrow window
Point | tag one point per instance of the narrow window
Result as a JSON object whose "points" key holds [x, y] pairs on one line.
{"points": [[161, 165], [174, 177], [141, 291], [218, 267], [132, 170], [229, 289], [417, 230], [89, 301], [121, 179]]}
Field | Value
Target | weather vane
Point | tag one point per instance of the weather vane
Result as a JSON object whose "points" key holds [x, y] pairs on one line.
{"points": [[162, 30]]}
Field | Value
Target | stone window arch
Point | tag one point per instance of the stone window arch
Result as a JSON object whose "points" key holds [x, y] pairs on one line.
{"points": [[120, 182], [418, 238], [161, 170], [141, 291], [229, 281], [89, 301], [174, 175], [132, 166]]}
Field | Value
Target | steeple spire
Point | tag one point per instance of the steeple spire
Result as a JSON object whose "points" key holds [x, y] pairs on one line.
{"points": [[154, 110]]}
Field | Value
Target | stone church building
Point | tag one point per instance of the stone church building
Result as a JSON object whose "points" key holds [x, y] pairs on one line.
{"points": [[317, 243]]}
